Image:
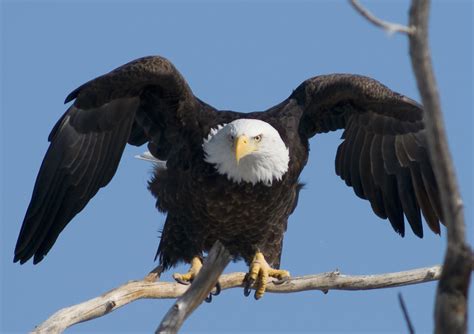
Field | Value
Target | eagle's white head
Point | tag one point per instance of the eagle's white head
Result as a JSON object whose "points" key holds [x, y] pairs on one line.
{"points": [[247, 150]]}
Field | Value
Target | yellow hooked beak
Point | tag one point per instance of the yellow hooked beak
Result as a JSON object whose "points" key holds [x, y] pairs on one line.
{"points": [[243, 147]]}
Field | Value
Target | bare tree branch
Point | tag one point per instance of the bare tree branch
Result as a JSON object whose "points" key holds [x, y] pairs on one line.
{"points": [[207, 278], [452, 294], [411, 329], [134, 290], [387, 26]]}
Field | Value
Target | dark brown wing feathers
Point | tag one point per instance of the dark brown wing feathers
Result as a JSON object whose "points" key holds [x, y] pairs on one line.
{"points": [[88, 141], [384, 154], [77, 163]]}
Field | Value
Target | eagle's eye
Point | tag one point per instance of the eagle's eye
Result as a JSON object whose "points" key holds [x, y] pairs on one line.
{"points": [[257, 138], [231, 138]]}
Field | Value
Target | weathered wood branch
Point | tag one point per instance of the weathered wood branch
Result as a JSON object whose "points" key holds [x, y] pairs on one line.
{"points": [[134, 290], [390, 27], [452, 293], [205, 281]]}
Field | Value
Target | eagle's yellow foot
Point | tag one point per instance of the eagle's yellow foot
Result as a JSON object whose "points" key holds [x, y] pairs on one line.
{"points": [[196, 265], [259, 272]]}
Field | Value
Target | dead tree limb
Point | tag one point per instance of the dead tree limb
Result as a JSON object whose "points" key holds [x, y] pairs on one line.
{"points": [[452, 293], [146, 289], [390, 27], [205, 281]]}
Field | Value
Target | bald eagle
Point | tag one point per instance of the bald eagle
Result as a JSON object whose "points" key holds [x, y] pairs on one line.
{"points": [[230, 176]]}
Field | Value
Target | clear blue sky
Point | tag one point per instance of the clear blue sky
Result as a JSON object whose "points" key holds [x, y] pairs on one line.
{"points": [[238, 55]]}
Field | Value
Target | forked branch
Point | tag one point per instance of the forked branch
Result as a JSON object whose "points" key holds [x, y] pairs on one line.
{"points": [[207, 278], [390, 27], [452, 294], [134, 290]]}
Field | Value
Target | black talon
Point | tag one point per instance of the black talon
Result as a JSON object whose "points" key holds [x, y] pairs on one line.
{"points": [[213, 293], [179, 280], [247, 291], [255, 296], [218, 289], [248, 284]]}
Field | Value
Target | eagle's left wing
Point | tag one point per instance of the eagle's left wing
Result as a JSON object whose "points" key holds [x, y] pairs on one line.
{"points": [[384, 155], [145, 100]]}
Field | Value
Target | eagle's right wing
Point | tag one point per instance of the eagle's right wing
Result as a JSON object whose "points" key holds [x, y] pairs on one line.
{"points": [[384, 153], [146, 100]]}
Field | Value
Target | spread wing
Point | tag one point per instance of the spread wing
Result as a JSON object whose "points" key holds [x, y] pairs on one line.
{"points": [[384, 154], [146, 100]]}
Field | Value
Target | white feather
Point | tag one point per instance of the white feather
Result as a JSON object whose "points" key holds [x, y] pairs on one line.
{"points": [[147, 156]]}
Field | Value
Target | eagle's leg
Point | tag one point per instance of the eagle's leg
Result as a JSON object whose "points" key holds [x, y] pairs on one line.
{"points": [[259, 272], [196, 265]]}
